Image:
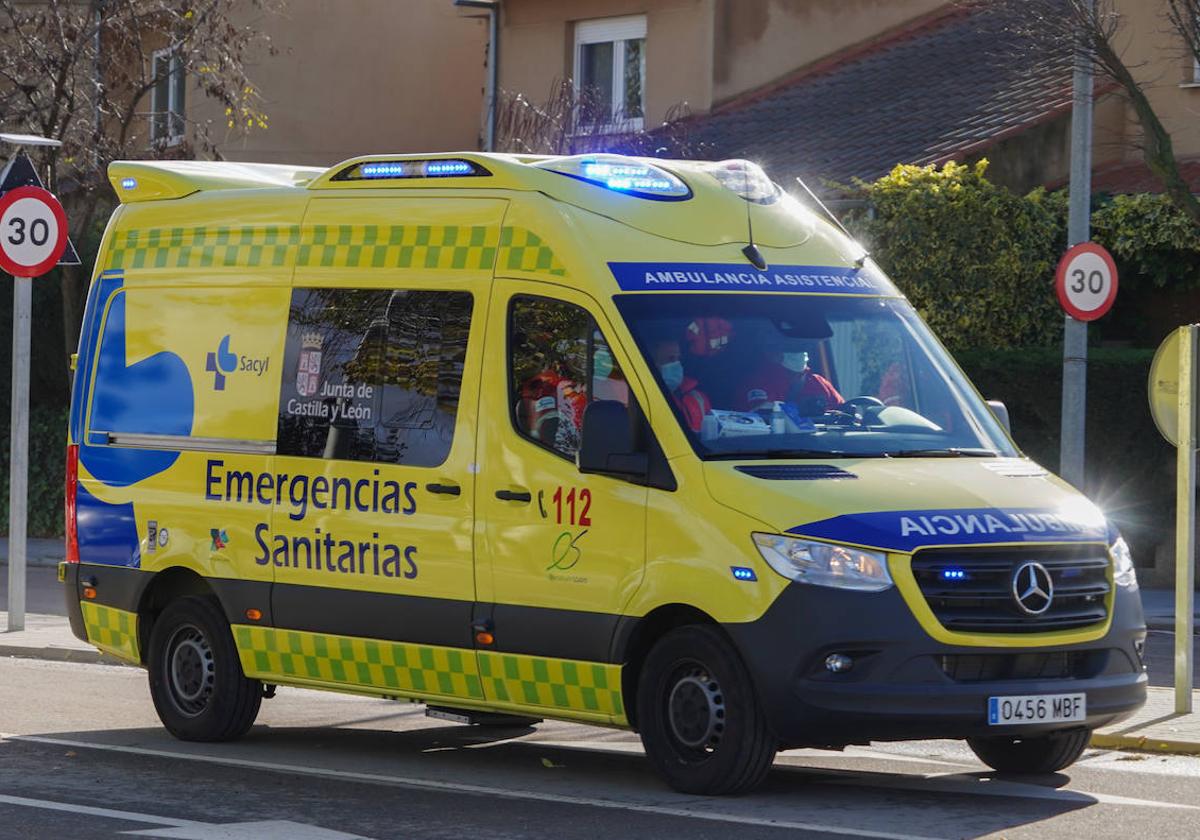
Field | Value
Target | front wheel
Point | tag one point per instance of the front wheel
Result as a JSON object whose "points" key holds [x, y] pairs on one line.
{"points": [[700, 720], [1038, 754], [196, 680]]}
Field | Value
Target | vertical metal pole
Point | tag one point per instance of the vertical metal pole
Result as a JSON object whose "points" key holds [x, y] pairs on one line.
{"points": [[1185, 517], [493, 78], [1074, 393], [19, 454]]}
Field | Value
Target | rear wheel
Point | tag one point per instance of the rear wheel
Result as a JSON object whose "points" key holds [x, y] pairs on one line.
{"points": [[700, 720], [1038, 754], [196, 680]]}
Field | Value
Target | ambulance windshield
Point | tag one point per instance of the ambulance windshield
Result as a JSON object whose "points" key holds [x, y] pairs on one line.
{"points": [[809, 376]]}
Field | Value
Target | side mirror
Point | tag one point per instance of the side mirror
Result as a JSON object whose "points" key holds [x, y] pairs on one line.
{"points": [[1001, 411], [606, 443]]}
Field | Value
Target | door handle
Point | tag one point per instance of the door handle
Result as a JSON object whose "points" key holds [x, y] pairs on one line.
{"points": [[444, 489], [514, 496]]}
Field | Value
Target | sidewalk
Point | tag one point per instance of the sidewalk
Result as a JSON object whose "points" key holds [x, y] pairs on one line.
{"points": [[38, 552], [1156, 727], [48, 637]]}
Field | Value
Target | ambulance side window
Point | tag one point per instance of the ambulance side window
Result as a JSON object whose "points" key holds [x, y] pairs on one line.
{"points": [[373, 375], [559, 361]]}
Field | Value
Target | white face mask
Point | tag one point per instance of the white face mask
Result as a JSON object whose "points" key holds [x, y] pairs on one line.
{"points": [[672, 374], [796, 362]]}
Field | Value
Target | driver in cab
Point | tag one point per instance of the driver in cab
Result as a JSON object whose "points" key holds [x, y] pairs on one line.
{"points": [[785, 376]]}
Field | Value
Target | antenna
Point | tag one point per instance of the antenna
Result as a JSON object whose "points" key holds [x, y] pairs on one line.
{"points": [[866, 255], [751, 251]]}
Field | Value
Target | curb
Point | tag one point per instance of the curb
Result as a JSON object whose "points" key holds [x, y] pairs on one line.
{"points": [[1144, 743], [57, 654]]}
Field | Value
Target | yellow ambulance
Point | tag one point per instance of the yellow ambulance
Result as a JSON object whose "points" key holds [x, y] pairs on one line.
{"points": [[641, 444]]}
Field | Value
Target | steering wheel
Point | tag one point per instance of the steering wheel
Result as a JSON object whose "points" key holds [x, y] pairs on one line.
{"points": [[858, 408]]}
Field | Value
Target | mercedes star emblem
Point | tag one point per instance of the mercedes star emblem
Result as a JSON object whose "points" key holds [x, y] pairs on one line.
{"points": [[1032, 588]]}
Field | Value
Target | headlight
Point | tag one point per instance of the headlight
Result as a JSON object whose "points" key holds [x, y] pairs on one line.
{"points": [[823, 564], [1123, 572]]}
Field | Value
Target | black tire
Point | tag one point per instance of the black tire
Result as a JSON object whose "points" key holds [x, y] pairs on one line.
{"points": [[1038, 754], [196, 679], [700, 720]]}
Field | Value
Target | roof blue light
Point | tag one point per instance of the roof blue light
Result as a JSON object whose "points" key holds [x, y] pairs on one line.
{"points": [[448, 167], [128, 183], [630, 176], [390, 169], [743, 573], [954, 574]]}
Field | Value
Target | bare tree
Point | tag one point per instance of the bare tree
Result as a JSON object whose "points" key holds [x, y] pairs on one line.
{"points": [[572, 121], [85, 72], [1092, 27]]}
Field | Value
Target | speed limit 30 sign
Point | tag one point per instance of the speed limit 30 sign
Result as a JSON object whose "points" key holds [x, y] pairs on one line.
{"points": [[33, 231], [1086, 282]]}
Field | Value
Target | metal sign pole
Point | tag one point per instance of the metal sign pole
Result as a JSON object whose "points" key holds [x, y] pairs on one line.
{"points": [[18, 478], [1074, 390], [1185, 518]]}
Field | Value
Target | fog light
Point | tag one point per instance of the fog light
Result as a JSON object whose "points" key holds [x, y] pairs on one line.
{"points": [[838, 663]]}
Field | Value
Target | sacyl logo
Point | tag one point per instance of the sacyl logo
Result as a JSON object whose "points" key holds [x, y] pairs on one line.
{"points": [[1032, 588], [224, 361], [221, 363]]}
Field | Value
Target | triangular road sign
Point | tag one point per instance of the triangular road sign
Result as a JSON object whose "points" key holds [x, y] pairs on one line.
{"points": [[20, 173]]}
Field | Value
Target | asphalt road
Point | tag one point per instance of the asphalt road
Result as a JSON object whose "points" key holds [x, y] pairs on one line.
{"points": [[82, 755]]}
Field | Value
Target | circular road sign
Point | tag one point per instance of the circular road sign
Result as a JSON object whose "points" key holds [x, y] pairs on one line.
{"points": [[1086, 282], [33, 231], [1163, 387]]}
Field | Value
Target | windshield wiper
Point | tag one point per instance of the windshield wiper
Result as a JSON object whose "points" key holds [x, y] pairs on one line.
{"points": [[953, 452]]}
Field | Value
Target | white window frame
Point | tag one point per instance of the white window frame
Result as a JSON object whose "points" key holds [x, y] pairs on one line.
{"points": [[174, 65], [618, 30]]}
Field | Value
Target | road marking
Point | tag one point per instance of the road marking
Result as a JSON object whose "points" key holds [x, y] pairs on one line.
{"points": [[480, 790], [189, 829], [91, 811], [260, 830], [989, 786]]}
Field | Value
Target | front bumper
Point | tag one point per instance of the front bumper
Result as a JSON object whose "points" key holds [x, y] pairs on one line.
{"points": [[899, 688]]}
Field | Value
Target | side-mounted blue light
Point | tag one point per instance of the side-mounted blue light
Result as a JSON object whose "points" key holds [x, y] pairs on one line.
{"points": [[954, 574], [743, 573], [128, 183], [410, 169]]}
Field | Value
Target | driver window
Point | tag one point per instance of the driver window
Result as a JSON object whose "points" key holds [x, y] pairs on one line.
{"points": [[559, 361]]}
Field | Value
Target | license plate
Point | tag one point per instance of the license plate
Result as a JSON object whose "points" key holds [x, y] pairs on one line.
{"points": [[1037, 708]]}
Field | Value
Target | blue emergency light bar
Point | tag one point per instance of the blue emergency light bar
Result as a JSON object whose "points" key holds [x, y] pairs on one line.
{"points": [[743, 573], [621, 174], [954, 574], [128, 183], [388, 170]]}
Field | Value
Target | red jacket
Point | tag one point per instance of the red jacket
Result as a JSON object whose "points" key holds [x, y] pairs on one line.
{"points": [[693, 402], [772, 381]]}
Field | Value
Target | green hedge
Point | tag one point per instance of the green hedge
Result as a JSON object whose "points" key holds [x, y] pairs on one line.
{"points": [[47, 451], [1130, 468], [976, 260]]}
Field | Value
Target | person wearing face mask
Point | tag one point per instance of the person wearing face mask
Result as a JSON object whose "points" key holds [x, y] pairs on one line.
{"points": [[785, 376], [684, 390]]}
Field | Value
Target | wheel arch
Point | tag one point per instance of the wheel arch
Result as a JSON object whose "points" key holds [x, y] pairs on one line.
{"points": [[638, 635], [166, 586]]}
